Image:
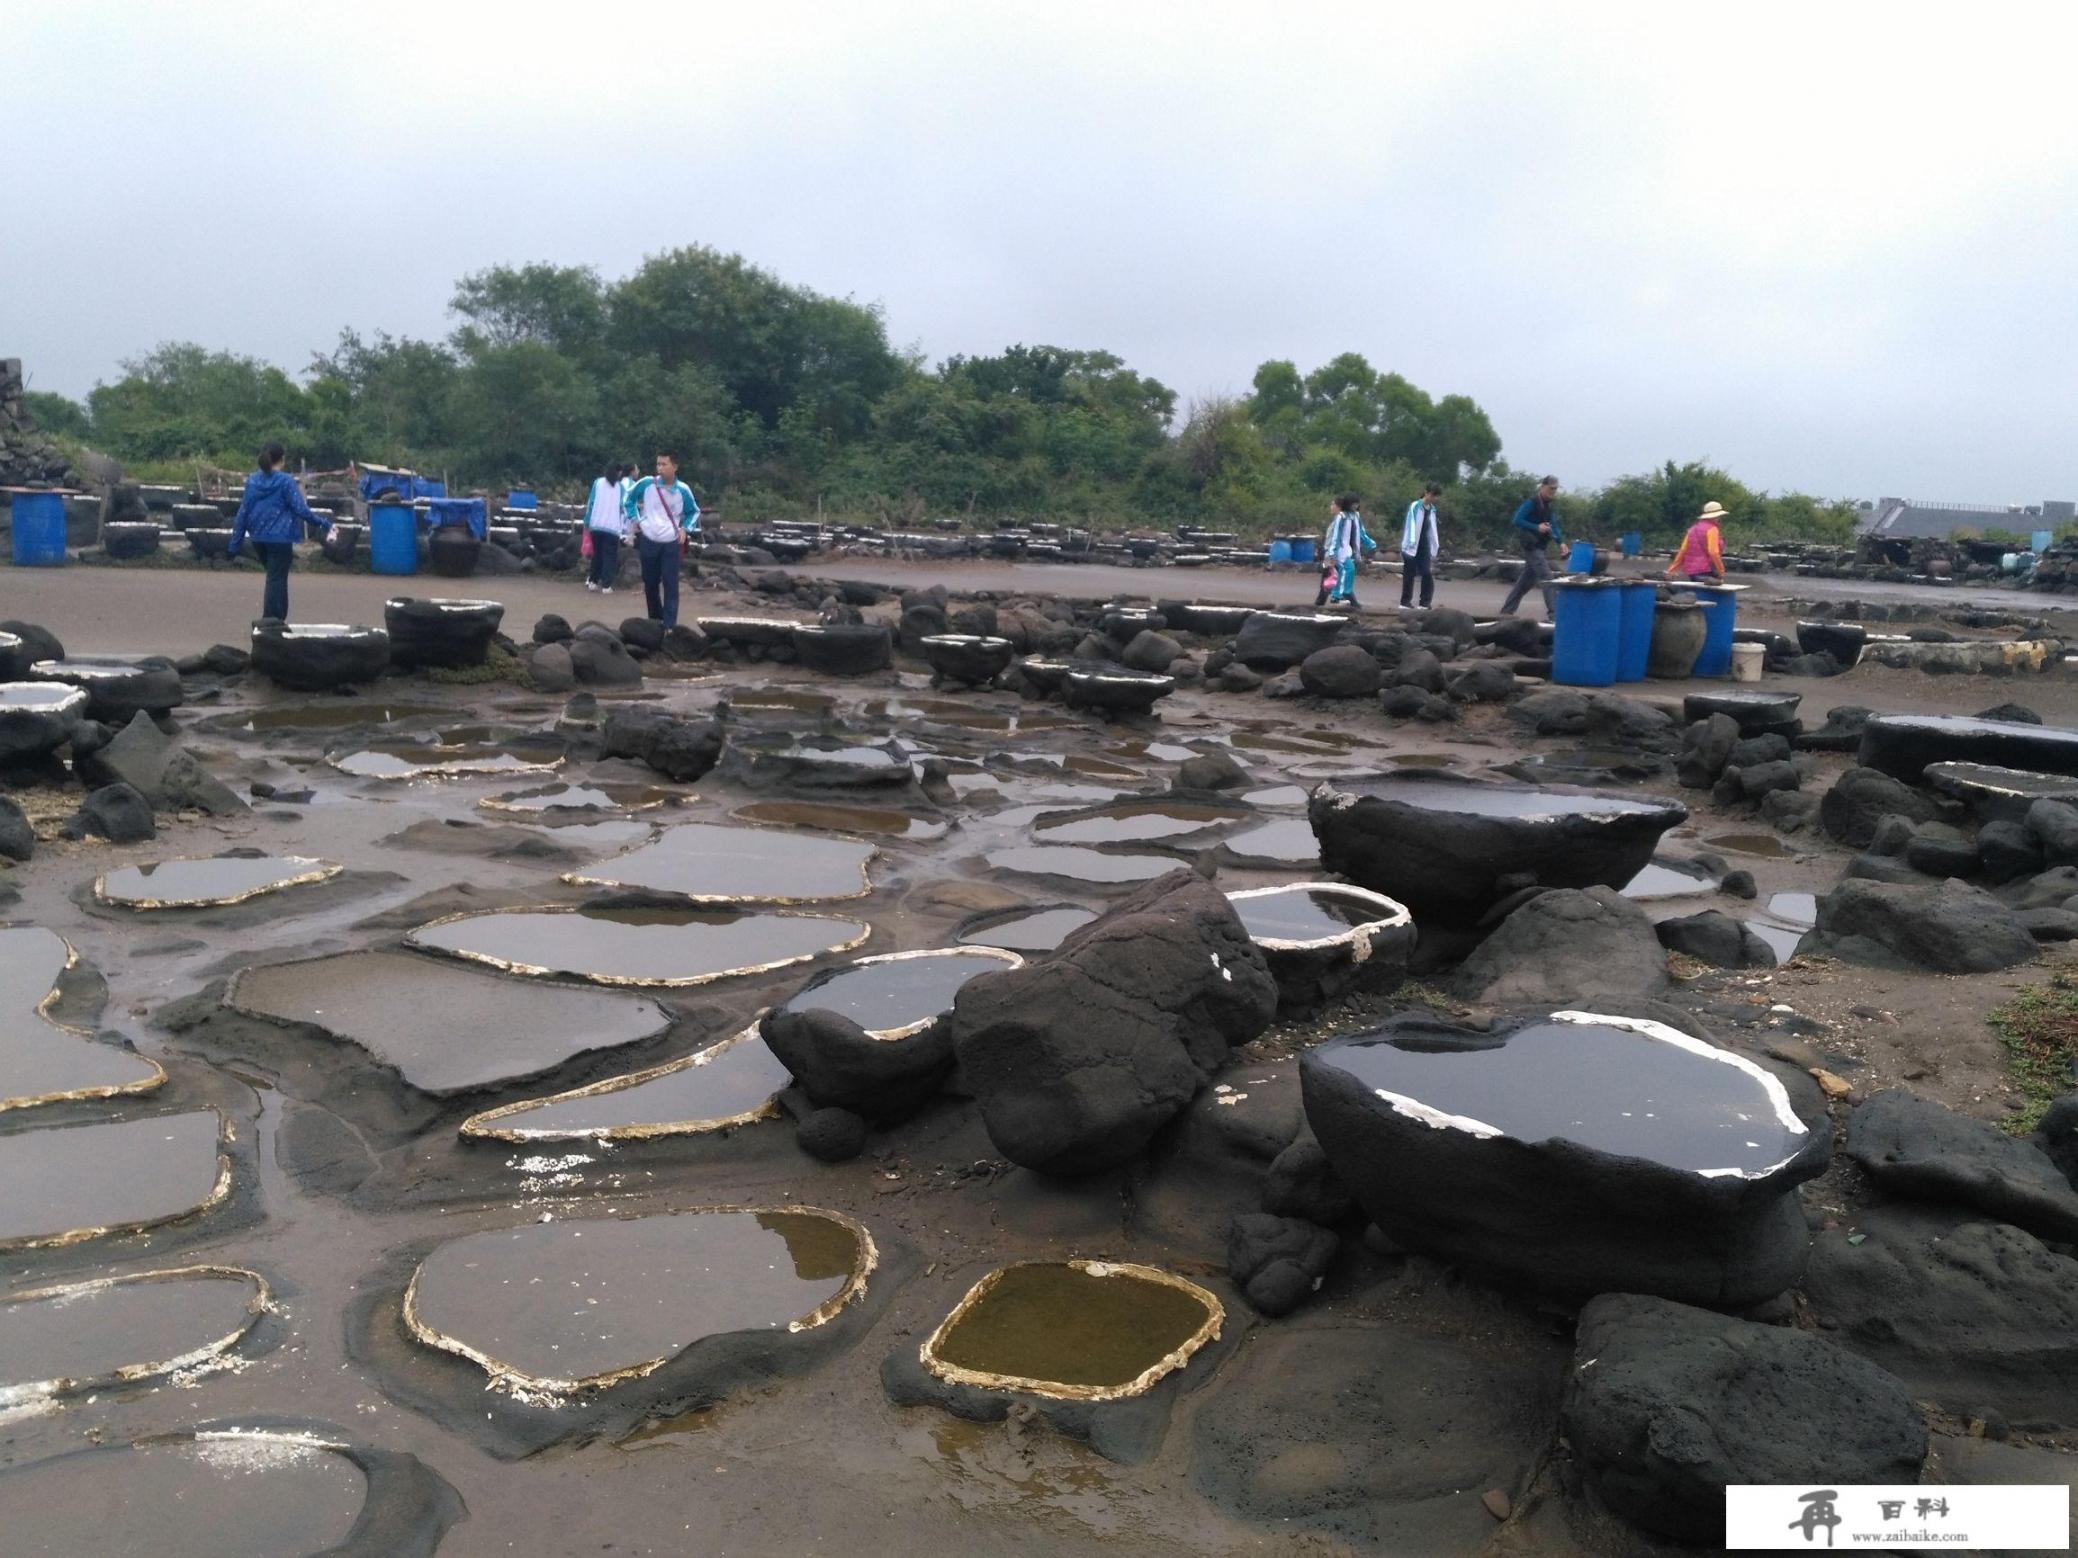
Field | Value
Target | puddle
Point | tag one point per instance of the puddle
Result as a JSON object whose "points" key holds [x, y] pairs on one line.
{"points": [[1764, 844], [334, 716], [490, 1030], [91, 1335], [1079, 864], [1080, 1329], [578, 797], [730, 1083], [869, 821], [1034, 930], [196, 884], [1658, 881], [77, 1182], [962, 716], [715, 863], [444, 761], [1137, 822], [660, 946], [1785, 921], [41, 1062], [1422, 759], [1635, 1090], [1799, 909], [1307, 912], [1305, 743], [235, 1494], [897, 993], [572, 1305], [1287, 841], [781, 700], [599, 837]]}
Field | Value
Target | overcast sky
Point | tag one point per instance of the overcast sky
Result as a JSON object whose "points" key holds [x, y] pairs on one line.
{"points": [[1829, 247]]}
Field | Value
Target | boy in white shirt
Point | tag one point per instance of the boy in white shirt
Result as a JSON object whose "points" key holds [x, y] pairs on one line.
{"points": [[664, 513]]}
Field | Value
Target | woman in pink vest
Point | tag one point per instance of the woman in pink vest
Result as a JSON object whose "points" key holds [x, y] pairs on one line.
{"points": [[1702, 549]]}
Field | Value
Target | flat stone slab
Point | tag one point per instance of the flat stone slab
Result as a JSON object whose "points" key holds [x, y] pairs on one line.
{"points": [[71, 1183], [645, 946], [1994, 793], [111, 1331], [706, 862], [205, 883], [735, 1082], [1904, 745], [570, 1306], [442, 1029], [43, 1062], [1753, 711], [229, 1490]]}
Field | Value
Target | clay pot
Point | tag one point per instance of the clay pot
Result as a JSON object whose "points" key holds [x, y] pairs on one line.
{"points": [[451, 551], [1678, 627]]}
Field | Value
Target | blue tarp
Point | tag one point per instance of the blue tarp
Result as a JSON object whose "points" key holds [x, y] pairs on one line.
{"points": [[520, 499], [380, 481], [456, 511]]}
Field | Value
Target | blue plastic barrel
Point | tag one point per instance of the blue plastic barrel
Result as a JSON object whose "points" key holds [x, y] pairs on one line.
{"points": [[1586, 633], [1581, 558], [1720, 616], [1634, 639], [1302, 549], [392, 538], [39, 530], [2040, 540], [1630, 543], [1280, 550]]}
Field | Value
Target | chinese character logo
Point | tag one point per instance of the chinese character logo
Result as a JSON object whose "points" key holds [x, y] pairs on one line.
{"points": [[1818, 1511]]}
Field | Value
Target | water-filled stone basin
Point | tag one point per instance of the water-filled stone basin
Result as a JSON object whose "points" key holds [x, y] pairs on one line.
{"points": [[1114, 690], [656, 946], [1451, 848], [1573, 1151], [973, 658], [714, 863], [116, 686], [1047, 676], [108, 1331], [36, 718], [578, 798], [896, 994], [1755, 712], [66, 1184], [1075, 1330], [440, 632], [319, 657], [724, 1085], [41, 1061], [206, 883], [1996, 794], [1844, 641], [844, 649], [1026, 930], [750, 632], [1137, 821], [579, 1305], [1323, 939], [1903, 745]]}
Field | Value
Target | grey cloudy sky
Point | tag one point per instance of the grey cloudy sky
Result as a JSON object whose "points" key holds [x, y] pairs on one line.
{"points": [[1829, 247]]}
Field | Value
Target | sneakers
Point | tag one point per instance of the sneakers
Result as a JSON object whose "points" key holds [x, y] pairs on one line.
{"points": [[605, 589], [592, 585]]}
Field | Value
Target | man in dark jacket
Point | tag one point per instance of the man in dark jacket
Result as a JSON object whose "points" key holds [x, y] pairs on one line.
{"points": [[272, 515], [1536, 527]]}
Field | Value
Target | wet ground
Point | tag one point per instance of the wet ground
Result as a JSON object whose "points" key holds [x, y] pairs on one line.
{"points": [[341, 1134]]}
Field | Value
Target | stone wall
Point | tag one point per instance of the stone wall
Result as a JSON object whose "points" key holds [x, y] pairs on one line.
{"points": [[27, 458]]}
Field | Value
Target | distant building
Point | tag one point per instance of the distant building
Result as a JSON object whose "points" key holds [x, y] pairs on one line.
{"points": [[1907, 519]]}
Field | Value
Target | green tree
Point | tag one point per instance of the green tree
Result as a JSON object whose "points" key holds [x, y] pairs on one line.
{"points": [[560, 306], [526, 412], [57, 415], [183, 401]]}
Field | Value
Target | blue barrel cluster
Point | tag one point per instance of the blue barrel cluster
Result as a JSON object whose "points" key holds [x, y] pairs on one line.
{"points": [[39, 529], [392, 538]]}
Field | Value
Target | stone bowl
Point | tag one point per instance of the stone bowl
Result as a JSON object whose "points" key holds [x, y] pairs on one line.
{"points": [[36, 718], [130, 538], [1905, 745], [116, 687], [211, 545], [1114, 689], [971, 658], [319, 657], [1575, 1152], [1844, 641], [1368, 952], [1209, 621], [1045, 675], [1757, 713], [1451, 848], [15, 658], [750, 632], [440, 632], [844, 649], [1122, 622], [1279, 640], [343, 541]]}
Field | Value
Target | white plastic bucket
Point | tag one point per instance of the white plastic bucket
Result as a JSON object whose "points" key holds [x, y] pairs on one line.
{"points": [[1746, 662]]}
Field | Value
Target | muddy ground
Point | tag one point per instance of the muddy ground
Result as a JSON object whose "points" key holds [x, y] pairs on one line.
{"points": [[1443, 1387]]}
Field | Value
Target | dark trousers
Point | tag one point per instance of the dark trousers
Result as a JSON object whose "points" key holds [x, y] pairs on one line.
{"points": [[1536, 570], [277, 555], [1420, 566], [659, 578], [606, 558]]}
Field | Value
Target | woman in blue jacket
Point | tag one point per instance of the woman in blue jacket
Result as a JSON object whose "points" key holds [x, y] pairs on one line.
{"points": [[272, 515]]}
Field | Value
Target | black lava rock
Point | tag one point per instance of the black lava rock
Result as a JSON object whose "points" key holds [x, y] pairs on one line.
{"points": [[831, 1135], [1913, 1147], [114, 812]]}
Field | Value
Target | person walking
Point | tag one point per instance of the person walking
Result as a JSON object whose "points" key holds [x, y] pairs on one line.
{"points": [[1418, 547], [271, 515], [664, 512], [1344, 541], [1702, 549], [605, 523], [1536, 527]]}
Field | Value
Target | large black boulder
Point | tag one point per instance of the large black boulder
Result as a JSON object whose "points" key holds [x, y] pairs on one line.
{"points": [[1565, 946], [1716, 938], [1913, 1147], [1612, 1172], [114, 812], [1077, 1061], [1667, 1405], [1340, 671], [839, 1065], [1279, 640], [2057, 1136], [17, 837], [1452, 848], [1706, 750], [599, 658], [1277, 1261], [37, 643], [1903, 745], [1863, 797], [1969, 1314], [145, 759], [679, 749], [1947, 928]]}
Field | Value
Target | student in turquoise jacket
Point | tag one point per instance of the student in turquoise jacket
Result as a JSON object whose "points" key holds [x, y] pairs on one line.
{"points": [[664, 513]]}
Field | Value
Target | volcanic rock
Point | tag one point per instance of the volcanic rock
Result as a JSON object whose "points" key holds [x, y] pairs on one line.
{"points": [[1566, 946], [1279, 640], [319, 659], [114, 812], [1862, 797], [434, 632], [1277, 1261], [1950, 928], [841, 649], [1716, 938], [1914, 1147], [679, 749], [839, 1065]]}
